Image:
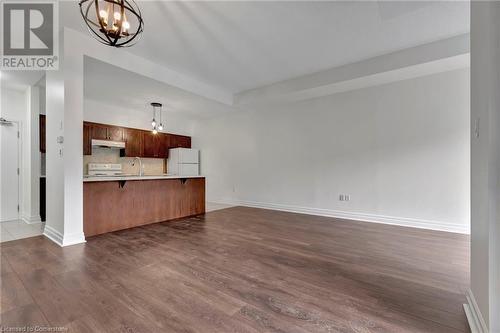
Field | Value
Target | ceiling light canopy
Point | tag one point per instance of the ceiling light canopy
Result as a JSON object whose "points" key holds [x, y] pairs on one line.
{"points": [[115, 23]]}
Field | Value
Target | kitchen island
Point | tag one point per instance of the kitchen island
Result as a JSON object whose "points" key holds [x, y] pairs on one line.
{"points": [[122, 202]]}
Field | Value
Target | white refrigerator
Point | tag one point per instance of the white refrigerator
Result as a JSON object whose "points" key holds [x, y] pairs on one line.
{"points": [[183, 162]]}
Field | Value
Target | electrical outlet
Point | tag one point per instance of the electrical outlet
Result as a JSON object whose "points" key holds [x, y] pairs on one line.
{"points": [[344, 197]]}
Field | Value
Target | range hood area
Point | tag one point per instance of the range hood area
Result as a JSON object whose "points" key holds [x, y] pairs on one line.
{"points": [[108, 144]]}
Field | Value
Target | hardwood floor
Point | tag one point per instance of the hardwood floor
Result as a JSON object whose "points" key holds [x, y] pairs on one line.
{"points": [[241, 270]]}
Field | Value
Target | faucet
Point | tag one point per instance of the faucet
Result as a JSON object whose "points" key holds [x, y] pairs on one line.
{"points": [[141, 171]]}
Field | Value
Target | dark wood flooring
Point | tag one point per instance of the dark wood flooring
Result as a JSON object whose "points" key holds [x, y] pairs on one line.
{"points": [[241, 270]]}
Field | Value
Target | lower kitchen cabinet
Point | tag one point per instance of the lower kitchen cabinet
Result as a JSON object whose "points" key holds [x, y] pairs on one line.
{"points": [[140, 202]]}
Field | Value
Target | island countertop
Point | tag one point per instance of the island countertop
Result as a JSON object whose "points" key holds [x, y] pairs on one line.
{"points": [[87, 178]]}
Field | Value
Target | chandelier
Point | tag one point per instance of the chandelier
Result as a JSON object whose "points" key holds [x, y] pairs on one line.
{"points": [[115, 23]]}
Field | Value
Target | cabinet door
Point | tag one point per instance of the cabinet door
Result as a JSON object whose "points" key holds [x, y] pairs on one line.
{"points": [[163, 141], [150, 144], [115, 133], [173, 141], [133, 142], [99, 132], [42, 128], [180, 141], [185, 141], [87, 141]]}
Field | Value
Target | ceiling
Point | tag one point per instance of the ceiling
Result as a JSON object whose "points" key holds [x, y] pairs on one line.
{"points": [[115, 86], [241, 45]]}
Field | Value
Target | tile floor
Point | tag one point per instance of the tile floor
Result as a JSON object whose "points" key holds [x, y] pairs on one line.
{"points": [[18, 229]]}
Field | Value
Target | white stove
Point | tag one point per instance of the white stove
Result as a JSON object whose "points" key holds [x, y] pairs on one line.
{"points": [[105, 169]]}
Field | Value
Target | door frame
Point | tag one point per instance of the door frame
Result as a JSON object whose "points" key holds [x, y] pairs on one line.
{"points": [[19, 167]]}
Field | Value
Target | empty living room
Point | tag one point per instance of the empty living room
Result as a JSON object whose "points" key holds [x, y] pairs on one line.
{"points": [[249, 166]]}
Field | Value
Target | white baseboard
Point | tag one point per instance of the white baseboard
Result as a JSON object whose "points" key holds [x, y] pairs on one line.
{"points": [[401, 221], [8, 219], [53, 235], [474, 316], [74, 239], [31, 219], [63, 240]]}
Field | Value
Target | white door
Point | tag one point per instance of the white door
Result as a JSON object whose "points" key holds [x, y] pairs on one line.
{"points": [[9, 177]]}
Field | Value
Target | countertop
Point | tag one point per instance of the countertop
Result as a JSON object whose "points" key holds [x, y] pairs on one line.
{"points": [[133, 177]]}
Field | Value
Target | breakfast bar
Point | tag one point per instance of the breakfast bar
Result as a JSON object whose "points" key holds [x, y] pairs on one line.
{"points": [[116, 203]]}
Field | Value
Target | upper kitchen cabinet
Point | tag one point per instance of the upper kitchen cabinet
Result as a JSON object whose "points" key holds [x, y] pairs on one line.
{"points": [[42, 132], [141, 143], [87, 140], [133, 142], [115, 133], [180, 141], [99, 132], [106, 132], [155, 145]]}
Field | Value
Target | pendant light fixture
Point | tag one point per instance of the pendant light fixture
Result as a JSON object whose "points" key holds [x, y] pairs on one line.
{"points": [[160, 127], [154, 124], [115, 23]]}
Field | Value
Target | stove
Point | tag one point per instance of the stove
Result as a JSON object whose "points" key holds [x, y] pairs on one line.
{"points": [[104, 169]]}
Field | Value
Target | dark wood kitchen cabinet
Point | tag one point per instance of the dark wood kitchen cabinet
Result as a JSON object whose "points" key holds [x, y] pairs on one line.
{"points": [[99, 132], [141, 202], [42, 132], [87, 140], [106, 132], [180, 141], [133, 142], [115, 133], [142, 143], [155, 145]]}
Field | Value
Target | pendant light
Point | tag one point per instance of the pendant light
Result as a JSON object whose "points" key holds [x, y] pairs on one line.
{"points": [[116, 23], [154, 124], [160, 127]]}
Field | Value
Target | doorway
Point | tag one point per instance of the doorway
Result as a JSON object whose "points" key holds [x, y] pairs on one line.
{"points": [[9, 169]]}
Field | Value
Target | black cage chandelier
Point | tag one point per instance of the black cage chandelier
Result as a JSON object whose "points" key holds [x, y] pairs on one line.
{"points": [[115, 23]]}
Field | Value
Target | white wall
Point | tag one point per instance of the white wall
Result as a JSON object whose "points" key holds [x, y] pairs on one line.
{"points": [[401, 151], [106, 113], [54, 226], [484, 297]]}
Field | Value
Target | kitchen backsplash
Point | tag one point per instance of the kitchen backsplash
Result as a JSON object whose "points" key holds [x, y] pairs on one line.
{"points": [[152, 166]]}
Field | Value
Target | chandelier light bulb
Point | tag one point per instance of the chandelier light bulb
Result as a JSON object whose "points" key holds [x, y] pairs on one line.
{"points": [[103, 14], [117, 16], [155, 131], [125, 25], [153, 123], [160, 127]]}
